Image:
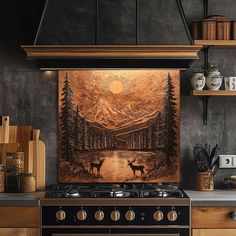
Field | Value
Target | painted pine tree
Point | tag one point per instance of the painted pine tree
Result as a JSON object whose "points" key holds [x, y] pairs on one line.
{"points": [[78, 131], [67, 144], [170, 119]]}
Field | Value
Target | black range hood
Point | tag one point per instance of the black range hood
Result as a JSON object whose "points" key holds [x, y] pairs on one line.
{"points": [[113, 34]]}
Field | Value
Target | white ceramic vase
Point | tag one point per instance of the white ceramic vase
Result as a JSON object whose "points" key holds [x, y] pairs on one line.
{"points": [[198, 81], [214, 82], [214, 79]]}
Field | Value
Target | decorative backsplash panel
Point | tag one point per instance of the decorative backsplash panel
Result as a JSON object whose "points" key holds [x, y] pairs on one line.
{"points": [[119, 125]]}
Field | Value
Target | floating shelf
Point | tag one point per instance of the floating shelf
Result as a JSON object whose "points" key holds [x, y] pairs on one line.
{"points": [[217, 43], [213, 93]]}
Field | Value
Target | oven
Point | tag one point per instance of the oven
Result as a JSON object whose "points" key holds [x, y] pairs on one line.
{"points": [[115, 217]]}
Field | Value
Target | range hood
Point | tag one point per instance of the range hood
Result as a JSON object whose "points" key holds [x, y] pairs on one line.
{"points": [[112, 34]]}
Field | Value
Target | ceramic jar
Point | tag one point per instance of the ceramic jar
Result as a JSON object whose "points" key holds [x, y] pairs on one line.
{"points": [[214, 79], [198, 80]]}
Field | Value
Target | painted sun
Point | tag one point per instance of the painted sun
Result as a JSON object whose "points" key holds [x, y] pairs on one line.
{"points": [[116, 87]]}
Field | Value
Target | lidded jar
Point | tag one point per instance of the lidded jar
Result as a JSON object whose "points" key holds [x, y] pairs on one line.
{"points": [[15, 162], [213, 70], [12, 182], [214, 78], [198, 79], [27, 183]]}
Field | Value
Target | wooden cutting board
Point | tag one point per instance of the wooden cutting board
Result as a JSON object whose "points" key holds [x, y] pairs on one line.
{"points": [[37, 151], [5, 148], [5, 129], [16, 135], [23, 135]]}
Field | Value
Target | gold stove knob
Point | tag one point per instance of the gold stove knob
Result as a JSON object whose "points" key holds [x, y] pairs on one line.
{"points": [[60, 215], [115, 215], [130, 215], [172, 215], [158, 215], [81, 215], [99, 215]]}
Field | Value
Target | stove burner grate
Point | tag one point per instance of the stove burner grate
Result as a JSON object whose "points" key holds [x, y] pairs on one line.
{"points": [[125, 190]]}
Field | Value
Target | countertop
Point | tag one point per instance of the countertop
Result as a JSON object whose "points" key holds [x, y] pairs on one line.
{"points": [[198, 198], [212, 198], [21, 199]]}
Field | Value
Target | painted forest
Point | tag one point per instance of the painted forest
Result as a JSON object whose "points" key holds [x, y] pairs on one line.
{"points": [[104, 137]]}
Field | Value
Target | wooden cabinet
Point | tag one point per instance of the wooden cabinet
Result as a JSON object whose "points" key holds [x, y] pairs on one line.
{"points": [[19, 221], [213, 221], [214, 232], [19, 232]]}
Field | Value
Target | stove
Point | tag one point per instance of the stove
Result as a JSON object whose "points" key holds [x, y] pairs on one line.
{"points": [[115, 209], [126, 190]]}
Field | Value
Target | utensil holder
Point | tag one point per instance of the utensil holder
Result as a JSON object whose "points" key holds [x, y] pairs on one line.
{"points": [[205, 181]]}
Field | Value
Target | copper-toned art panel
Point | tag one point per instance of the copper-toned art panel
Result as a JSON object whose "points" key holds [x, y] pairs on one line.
{"points": [[119, 126]]}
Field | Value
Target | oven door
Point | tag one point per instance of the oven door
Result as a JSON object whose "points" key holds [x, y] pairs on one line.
{"points": [[119, 231]]}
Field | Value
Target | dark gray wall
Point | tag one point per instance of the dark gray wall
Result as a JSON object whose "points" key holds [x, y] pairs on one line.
{"points": [[29, 95]]}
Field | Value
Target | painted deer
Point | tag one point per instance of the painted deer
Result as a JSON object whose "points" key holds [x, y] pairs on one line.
{"points": [[136, 167], [96, 166]]}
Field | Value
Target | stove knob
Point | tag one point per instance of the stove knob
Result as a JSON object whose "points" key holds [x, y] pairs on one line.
{"points": [[115, 215], [60, 215], [130, 215], [99, 215], [158, 215], [81, 215], [172, 215]]}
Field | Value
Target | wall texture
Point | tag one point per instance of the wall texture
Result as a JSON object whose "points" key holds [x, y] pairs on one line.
{"points": [[29, 95]]}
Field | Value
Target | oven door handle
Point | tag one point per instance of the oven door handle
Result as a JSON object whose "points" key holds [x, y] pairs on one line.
{"points": [[162, 234]]}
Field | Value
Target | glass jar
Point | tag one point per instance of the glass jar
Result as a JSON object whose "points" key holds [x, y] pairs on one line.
{"points": [[12, 182], [27, 183], [2, 178], [15, 162]]}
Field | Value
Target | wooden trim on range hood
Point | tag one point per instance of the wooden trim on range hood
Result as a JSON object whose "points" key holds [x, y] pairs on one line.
{"points": [[111, 51], [56, 57]]}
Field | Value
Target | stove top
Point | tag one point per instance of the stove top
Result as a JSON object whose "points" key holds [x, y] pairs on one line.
{"points": [[125, 190]]}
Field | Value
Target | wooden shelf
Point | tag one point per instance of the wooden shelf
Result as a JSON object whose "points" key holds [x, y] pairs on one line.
{"points": [[216, 43], [213, 93]]}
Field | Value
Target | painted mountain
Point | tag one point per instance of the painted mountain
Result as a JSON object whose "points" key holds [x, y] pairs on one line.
{"points": [[119, 126]]}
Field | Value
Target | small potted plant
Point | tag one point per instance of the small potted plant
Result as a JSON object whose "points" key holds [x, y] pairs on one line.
{"points": [[207, 162]]}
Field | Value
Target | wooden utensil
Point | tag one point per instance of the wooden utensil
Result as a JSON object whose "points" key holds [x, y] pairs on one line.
{"points": [[4, 130], [5, 148], [37, 159]]}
